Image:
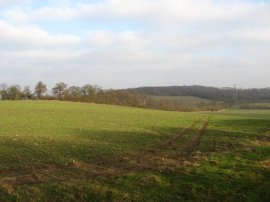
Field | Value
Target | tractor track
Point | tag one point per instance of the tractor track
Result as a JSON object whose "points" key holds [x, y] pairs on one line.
{"points": [[167, 157], [170, 141], [143, 161], [194, 141]]}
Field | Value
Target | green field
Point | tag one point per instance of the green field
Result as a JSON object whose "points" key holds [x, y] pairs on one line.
{"points": [[186, 100], [62, 151], [255, 105]]}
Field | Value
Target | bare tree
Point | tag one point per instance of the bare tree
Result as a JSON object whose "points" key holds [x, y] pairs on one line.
{"points": [[60, 89], [27, 94], [14, 92], [74, 92], [40, 89], [3, 91], [90, 91], [87, 90]]}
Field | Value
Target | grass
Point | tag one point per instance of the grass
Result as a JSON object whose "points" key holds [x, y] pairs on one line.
{"points": [[62, 151], [265, 105], [186, 100]]}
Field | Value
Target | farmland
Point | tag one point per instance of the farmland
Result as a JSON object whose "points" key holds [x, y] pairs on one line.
{"points": [[187, 100], [55, 151]]}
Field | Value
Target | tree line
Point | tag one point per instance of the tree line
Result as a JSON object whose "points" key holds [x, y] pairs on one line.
{"points": [[95, 94], [210, 93]]}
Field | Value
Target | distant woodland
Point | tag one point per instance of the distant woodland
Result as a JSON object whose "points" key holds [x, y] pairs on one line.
{"points": [[144, 97], [228, 95]]}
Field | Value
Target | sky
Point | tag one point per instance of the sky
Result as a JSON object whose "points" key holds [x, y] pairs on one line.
{"points": [[132, 43]]}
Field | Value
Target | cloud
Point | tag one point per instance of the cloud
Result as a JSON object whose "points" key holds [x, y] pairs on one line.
{"points": [[127, 40], [261, 36], [12, 37], [176, 42], [158, 10], [15, 2]]}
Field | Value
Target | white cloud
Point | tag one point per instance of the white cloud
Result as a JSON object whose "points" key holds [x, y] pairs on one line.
{"points": [[253, 36], [158, 10], [15, 2], [101, 39], [177, 42], [17, 15], [12, 37]]}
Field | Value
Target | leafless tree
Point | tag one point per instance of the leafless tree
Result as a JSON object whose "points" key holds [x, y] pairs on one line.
{"points": [[40, 89], [59, 89], [3, 91], [27, 94], [14, 92]]}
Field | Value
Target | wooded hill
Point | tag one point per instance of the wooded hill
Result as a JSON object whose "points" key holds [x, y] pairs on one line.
{"points": [[211, 93], [95, 94], [176, 98]]}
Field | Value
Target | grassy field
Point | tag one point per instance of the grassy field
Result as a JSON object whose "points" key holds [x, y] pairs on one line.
{"points": [[255, 106], [61, 151], [186, 100]]}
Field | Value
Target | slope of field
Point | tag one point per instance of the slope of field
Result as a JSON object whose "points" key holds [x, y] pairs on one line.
{"points": [[186, 100], [61, 151], [255, 106]]}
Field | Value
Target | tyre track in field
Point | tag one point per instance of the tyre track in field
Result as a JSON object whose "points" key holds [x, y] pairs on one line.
{"points": [[170, 141], [167, 157], [191, 145], [142, 161]]}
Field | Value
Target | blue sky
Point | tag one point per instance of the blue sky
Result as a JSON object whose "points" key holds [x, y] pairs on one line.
{"points": [[129, 43]]}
